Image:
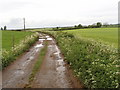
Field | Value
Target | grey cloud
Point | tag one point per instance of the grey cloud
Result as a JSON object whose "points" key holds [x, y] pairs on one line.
{"points": [[119, 12], [9, 6], [13, 23], [40, 13]]}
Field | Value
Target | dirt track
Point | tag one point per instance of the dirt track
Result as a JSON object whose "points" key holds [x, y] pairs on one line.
{"points": [[53, 72]]}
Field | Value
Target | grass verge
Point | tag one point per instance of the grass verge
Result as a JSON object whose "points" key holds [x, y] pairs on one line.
{"points": [[94, 63]]}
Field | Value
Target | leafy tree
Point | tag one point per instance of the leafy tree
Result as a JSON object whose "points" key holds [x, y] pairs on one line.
{"points": [[57, 28], [75, 26], [80, 26], [99, 24], [1, 28], [5, 28]]}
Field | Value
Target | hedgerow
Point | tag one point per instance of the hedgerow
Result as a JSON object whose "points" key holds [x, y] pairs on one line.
{"points": [[10, 56], [96, 65]]}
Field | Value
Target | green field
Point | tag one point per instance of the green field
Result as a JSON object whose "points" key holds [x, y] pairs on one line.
{"points": [[7, 38], [105, 35]]}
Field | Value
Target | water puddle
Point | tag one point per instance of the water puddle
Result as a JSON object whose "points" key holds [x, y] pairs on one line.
{"points": [[61, 69], [36, 51], [31, 58], [45, 38], [19, 72], [26, 63], [50, 46], [57, 54], [60, 66], [49, 38], [60, 63], [39, 45], [41, 39]]}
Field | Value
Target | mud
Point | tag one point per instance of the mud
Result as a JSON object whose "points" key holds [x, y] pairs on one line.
{"points": [[53, 73]]}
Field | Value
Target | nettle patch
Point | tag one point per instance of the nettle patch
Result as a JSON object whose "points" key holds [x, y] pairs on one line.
{"points": [[96, 65]]}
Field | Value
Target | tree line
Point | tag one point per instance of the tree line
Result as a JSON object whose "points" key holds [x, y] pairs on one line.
{"points": [[80, 26], [4, 28]]}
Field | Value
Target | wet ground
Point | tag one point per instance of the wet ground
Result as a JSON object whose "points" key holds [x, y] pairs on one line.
{"points": [[53, 72]]}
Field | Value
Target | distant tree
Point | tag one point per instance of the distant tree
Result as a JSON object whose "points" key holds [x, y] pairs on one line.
{"points": [[75, 26], [5, 28], [1, 28], [92, 26], [57, 28], [80, 26], [99, 24]]}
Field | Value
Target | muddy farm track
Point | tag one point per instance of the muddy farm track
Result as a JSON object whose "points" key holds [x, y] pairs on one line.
{"points": [[53, 73]]}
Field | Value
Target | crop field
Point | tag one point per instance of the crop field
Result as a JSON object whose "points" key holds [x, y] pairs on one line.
{"points": [[7, 38], [105, 35]]}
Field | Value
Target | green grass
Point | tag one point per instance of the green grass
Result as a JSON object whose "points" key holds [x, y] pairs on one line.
{"points": [[106, 35], [7, 38]]}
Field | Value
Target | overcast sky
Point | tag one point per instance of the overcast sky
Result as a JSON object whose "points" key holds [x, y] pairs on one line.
{"points": [[49, 13]]}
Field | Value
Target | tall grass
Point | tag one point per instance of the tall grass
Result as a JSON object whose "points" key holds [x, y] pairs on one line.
{"points": [[96, 64], [9, 56]]}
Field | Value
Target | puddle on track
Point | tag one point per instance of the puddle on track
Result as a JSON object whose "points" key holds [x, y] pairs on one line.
{"points": [[41, 39], [39, 45], [19, 72], [49, 38]]}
